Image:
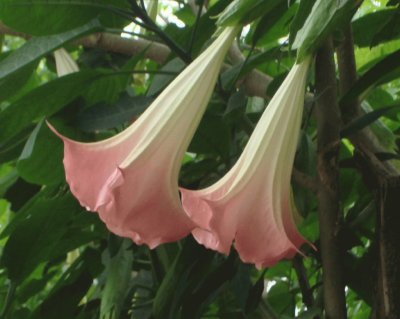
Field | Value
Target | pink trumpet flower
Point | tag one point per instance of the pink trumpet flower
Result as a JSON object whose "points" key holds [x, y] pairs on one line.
{"points": [[131, 179], [252, 204]]}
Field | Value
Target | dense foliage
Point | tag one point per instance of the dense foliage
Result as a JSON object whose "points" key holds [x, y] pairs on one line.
{"points": [[59, 261]]}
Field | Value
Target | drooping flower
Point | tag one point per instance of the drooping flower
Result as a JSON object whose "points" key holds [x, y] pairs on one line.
{"points": [[252, 204], [131, 179], [64, 63]]}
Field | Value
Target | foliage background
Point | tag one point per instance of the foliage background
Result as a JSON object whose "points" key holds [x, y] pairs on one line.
{"points": [[58, 261]]}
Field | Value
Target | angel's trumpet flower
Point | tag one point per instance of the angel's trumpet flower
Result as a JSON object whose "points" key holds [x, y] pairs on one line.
{"points": [[131, 179], [64, 63], [252, 204]]}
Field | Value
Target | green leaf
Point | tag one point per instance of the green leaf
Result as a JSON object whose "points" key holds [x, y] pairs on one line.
{"points": [[382, 72], [10, 85], [245, 11], [118, 277], [103, 116], [325, 16], [365, 120], [390, 31], [302, 13], [43, 101], [41, 160], [44, 17], [366, 27], [204, 140], [267, 21], [37, 48], [12, 149], [160, 81], [202, 295], [281, 299], [64, 299], [187, 270], [255, 294], [36, 235]]}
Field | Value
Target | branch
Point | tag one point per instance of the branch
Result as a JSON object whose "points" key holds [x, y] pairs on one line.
{"points": [[328, 132], [110, 42], [365, 140], [255, 83], [305, 288]]}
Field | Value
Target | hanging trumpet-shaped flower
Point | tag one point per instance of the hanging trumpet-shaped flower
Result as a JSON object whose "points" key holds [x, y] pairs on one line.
{"points": [[64, 63], [131, 179], [252, 204]]}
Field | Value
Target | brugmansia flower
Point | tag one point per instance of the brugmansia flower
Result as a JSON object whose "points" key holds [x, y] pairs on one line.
{"points": [[252, 204], [64, 63], [131, 179]]}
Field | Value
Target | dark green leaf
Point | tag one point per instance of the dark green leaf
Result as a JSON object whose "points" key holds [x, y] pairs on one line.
{"points": [[19, 193], [41, 159], [281, 299], [390, 31], [43, 101], [64, 299], [382, 72], [367, 26], [12, 148], [186, 272], [197, 300], [37, 235], [38, 17], [204, 140], [325, 16], [364, 120], [245, 11], [118, 271], [160, 81], [103, 116], [10, 85], [255, 294], [38, 47], [267, 21], [302, 13]]}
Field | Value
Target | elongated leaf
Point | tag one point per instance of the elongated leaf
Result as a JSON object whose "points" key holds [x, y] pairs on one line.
{"points": [[103, 116], [44, 17], [196, 301], [365, 120], [37, 235], [365, 27], [118, 270], [245, 11], [12, 149], [13, 83], [267, 21], [384, 71], [38, 47], [301, 15], [64, 299], [390, 31], [175, 285], [41, 160], [325, 16], [43, 101]]}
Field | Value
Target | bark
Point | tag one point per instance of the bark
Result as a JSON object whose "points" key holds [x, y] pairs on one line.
{"points": [[328, 130], [387, 305], [384, 180], [365, 141]]}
